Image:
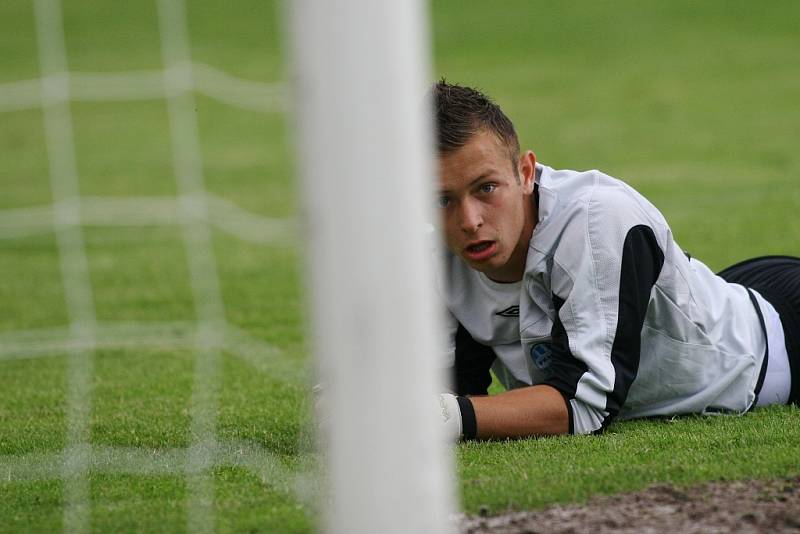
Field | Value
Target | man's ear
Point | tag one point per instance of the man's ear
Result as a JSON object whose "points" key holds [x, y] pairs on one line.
{"points": [[527, 170]]}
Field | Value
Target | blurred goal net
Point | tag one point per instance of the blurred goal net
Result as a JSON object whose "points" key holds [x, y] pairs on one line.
{"points": [[195, 212]]}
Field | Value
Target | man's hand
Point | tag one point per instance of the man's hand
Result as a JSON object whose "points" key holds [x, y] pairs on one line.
{"points": [[451, 417]]}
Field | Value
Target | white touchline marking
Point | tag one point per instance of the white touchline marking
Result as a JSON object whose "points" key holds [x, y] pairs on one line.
{"points": [[73, 261]]}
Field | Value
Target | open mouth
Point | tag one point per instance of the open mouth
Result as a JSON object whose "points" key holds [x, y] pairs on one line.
{"points": [[480, 250], [480, 247]]}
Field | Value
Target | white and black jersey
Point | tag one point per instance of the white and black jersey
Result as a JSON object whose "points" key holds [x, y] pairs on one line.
{"points": [[611, 312]]}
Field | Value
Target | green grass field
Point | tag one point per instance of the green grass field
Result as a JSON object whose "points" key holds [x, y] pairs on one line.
{"points": [[693, 103]]}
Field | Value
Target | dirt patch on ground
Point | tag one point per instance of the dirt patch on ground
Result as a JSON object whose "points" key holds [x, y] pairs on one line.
{"points": [[743, 507]]}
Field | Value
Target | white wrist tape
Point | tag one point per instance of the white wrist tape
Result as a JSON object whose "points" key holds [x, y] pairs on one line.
{"points": [[451, 416]]}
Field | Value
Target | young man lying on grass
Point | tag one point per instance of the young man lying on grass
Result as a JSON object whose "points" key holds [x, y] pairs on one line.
{"points": [[571, 288]]}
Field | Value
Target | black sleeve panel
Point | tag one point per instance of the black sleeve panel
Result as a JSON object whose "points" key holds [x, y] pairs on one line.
{"points": [[642, 260], [473, 363], [565, 369]]}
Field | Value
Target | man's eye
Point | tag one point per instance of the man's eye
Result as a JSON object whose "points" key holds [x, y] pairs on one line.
{"points": [[443, 202], [488, 188]]}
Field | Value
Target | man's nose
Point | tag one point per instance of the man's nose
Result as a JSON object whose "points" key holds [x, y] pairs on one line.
{"points": [[471, 217]]}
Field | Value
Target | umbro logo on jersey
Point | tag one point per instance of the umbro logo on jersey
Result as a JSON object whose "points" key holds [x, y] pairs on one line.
{"points": [[511, 311]]}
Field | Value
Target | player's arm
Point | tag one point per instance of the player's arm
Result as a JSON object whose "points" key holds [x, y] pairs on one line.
{"points": [[531, 411]]}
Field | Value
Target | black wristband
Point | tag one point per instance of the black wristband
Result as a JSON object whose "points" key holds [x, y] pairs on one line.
{"points": [[469, 425]]}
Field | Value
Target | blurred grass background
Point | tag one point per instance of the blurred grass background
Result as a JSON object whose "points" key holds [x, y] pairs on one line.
{"points": [[693, 103]]}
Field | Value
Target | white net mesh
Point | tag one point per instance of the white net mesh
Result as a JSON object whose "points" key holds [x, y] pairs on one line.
{"points": [[195, 212]]}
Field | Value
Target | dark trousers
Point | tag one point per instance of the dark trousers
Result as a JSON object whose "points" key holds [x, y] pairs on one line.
{"points": [[777, 279]]}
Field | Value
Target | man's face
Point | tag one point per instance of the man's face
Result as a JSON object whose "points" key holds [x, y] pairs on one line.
{"points": [[486, 207]]}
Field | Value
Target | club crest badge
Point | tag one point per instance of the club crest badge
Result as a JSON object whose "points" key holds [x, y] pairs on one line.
{"points": [[542, 355]]}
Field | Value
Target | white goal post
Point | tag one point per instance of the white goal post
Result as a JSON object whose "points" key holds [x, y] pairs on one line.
{"points": [[365, 157]]}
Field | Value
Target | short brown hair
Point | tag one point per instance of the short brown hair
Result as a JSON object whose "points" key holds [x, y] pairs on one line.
{"points": [[462, 111]]}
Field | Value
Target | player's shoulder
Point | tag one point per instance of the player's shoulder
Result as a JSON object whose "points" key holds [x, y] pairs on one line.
{"points": [[571, 188], [592, 199], [587, 216]]}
